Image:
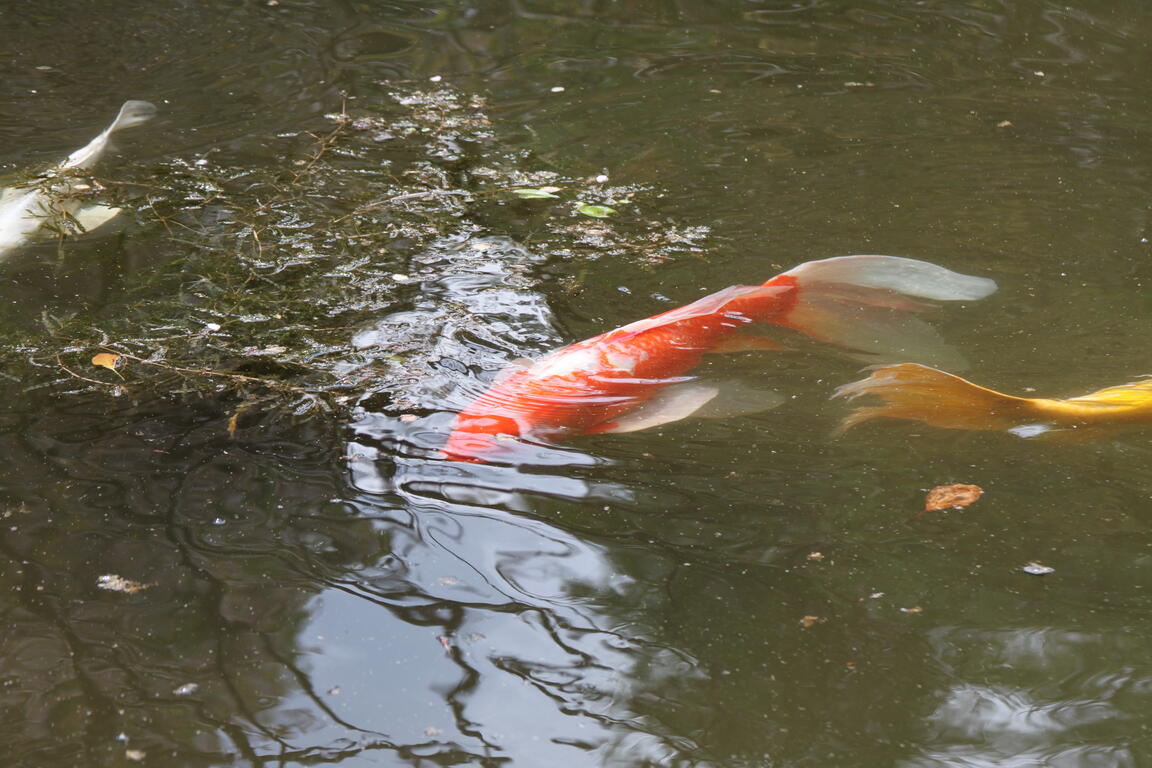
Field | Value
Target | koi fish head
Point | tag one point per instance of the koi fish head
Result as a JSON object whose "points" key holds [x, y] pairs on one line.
{"points": [[478, 437]]}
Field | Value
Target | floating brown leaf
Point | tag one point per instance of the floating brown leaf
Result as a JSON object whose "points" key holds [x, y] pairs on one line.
{"points": [[809, 621], [952, 496], [109, 360], [114, 583]]}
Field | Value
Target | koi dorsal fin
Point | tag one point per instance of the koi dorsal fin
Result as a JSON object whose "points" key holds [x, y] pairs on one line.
{"points": [[911, 277]]}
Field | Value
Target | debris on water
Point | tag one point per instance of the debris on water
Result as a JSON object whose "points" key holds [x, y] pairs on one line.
{"points": [[815, 556], [1038, 569], [109, 360], [809, 621], [22, 509], [536, 194], [1004, 124], [952, 496], [595, 211], [431, 731], [330, 240], [334, 691], [444, 641], [186, 690], [114, 583], [135, 755], [913, 609], [557, 89]]}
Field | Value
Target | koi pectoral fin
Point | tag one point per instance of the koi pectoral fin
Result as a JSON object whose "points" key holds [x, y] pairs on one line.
{"points": [[512, 368], [736, 399], [672, 403], [94, 216], [692, 399]]}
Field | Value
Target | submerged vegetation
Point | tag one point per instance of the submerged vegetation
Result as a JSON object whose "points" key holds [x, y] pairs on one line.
{"points": [[341, 266]]}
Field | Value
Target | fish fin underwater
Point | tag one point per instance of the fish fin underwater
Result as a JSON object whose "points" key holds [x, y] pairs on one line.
{"points": [[25, 209], [868, 304], [914, 392], [634, 377], [693, 399], [131, 114]]}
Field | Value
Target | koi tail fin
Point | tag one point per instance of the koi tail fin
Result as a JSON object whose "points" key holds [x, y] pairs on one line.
{"points": [[131, 114], [917, 393], [863, 302]]}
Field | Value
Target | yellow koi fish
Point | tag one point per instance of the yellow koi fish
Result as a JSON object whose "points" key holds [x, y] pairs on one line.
{"points": [[918, 393]]}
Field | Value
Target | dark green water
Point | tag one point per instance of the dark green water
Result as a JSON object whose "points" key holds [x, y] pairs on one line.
{"points": [[325, 593]]}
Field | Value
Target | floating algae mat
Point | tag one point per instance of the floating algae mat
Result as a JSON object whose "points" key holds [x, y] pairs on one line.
{"points": [[385, 252]]}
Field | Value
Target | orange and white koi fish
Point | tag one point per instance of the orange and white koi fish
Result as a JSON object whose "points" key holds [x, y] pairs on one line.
{"points": [[918, 393], [635, 376]]}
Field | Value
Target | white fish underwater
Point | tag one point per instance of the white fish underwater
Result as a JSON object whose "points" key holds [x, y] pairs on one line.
{"points": [[25, 209]]}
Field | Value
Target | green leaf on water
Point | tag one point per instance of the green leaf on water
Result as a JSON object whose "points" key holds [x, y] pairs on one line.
{"points": [[595, 211], [534, 194]]}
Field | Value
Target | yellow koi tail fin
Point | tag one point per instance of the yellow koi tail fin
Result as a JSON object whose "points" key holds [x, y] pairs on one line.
{"points": [[918, 393]]}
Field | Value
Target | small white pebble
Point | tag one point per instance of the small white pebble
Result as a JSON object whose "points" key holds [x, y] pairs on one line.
{"points": [[557, 89], [601, 178], [1038, 73], [436, 78], [202, 161], [212, 326], [400, 278]]}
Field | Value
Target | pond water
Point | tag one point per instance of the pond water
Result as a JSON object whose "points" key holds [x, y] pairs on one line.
{"points": [[315, 587]]}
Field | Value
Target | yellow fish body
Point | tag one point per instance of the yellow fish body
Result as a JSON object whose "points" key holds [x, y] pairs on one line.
{"points": [[918, 393]]}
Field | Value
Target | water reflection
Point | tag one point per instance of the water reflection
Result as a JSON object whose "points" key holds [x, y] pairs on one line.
{"points": [[551, 634], [1045, 702]]}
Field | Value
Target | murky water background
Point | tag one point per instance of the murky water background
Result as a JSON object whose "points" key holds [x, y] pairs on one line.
{"points": [[324, 592]]}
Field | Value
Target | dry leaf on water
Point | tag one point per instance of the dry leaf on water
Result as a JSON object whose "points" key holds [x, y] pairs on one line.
{"points": [[952, 496], [109, 360], [114, 583]]}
